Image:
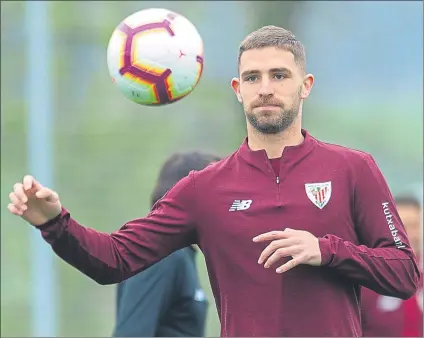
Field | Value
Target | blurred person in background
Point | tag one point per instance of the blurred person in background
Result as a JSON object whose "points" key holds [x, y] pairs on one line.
{"points": [[384, 316], [166, 300]]}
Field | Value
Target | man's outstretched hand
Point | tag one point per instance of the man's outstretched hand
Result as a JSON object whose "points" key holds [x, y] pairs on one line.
{"points": [[33, 202]]}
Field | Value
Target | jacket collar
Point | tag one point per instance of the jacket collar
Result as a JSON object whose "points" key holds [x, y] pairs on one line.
{"points": [[290, 154]]}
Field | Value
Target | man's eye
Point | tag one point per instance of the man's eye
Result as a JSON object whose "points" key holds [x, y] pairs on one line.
{"points": [[251, 78], [279, 76]]}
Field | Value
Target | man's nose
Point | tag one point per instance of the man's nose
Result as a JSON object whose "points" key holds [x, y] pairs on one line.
{"points": [[266, 88]]}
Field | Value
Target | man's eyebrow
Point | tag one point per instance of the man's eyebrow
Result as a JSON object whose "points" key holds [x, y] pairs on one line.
{"points": [[280, 70], [250, 72], [272, 70]]}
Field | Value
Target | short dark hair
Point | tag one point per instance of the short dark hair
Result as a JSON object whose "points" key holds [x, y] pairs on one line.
{"points": [[273, 36], [178, 166], [408, 200]]}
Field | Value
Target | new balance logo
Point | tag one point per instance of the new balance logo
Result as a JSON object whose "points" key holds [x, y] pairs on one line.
{"points": [[240, 205]]}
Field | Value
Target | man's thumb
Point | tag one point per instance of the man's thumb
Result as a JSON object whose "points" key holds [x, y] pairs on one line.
{"points": [[47, 194]]}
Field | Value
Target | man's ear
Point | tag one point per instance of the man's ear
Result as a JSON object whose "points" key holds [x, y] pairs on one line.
{"points": [[235, 84], [308, 82]]}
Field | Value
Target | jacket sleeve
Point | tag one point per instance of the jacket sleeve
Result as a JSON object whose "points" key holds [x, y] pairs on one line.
{"points": [[143, 299], [138, 244], [384, 261]]}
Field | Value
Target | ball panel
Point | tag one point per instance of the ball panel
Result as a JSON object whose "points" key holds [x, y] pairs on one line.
{"points": [[149, 67], [174, 91], [141, 92], [199, 68], [115, 51], [145, 94], [146, 16], [148, 50]]}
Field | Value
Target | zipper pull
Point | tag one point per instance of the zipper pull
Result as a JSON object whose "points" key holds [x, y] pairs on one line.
{"points": [[278, 180]]}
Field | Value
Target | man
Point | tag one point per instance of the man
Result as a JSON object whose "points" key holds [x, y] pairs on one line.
{"points": [[290, 227], [166, 300], [384, 316]]}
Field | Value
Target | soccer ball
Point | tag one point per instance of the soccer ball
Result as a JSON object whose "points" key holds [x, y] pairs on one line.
{"points": [[155, 57]]}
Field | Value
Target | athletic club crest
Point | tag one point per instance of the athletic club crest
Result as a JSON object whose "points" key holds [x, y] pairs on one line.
{"points": [[318, 193]]}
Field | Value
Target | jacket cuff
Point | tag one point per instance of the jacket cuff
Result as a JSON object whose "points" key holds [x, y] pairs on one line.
{"points": [[325, 248], [51, 224]]}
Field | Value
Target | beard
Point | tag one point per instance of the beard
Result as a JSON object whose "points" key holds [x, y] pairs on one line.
{"points": [[272, 122]]}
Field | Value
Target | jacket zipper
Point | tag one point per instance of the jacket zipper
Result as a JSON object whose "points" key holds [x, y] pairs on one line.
{"points": [[277, 178]]}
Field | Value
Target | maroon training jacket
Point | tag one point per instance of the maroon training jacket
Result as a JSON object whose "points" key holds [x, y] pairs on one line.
{"points": [[337, 194]]}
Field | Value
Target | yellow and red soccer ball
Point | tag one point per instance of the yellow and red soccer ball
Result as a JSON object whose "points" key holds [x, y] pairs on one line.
{"points": [[155, 57]]}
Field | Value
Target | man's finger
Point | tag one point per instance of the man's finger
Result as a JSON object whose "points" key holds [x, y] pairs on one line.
{"points": [[272, 235], [279, 254], [14, 210], [47, 194], [19, 192], [14, 199], [273, 246], [30, 182], [289, 265]]}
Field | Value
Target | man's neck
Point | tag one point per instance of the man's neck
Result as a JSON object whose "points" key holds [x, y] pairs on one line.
{"points": [[274, 144]]}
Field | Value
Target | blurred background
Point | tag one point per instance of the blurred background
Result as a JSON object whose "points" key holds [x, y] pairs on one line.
{"points": [[106, 150]]}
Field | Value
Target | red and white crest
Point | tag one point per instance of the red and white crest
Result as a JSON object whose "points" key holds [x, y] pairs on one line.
{"points": [[319, 193]]}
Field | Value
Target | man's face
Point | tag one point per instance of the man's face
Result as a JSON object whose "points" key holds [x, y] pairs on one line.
{"points": [[271, 87], [411, 218]]}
